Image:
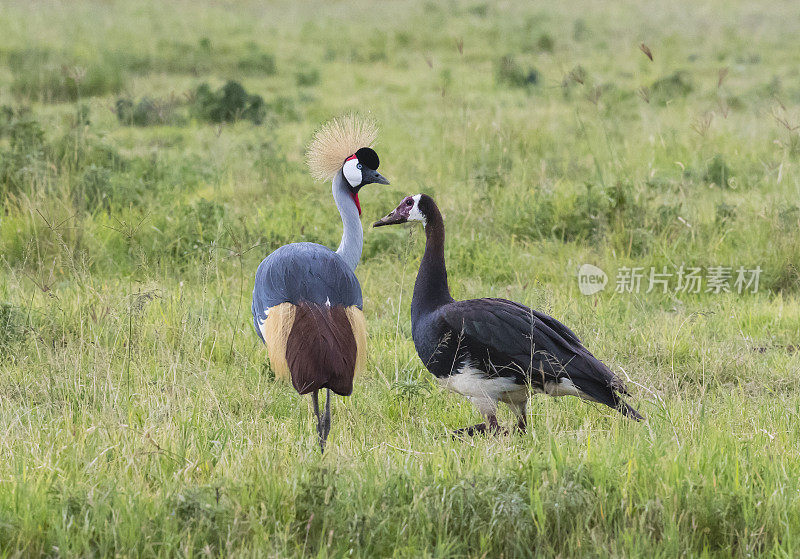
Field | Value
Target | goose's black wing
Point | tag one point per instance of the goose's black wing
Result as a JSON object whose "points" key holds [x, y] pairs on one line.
{"points": [[509, 339], [303, 272]]}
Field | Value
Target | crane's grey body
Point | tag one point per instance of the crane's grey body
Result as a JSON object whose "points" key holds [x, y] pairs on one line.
{"points": [[303, 273]]}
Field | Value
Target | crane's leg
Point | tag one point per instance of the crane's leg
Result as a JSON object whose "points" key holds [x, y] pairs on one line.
{"points": [[325, 424], [315, 399], [324, 420]]}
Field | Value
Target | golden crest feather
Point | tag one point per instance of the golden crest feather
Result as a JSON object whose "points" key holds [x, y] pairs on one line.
{"points": [[336, 141]]}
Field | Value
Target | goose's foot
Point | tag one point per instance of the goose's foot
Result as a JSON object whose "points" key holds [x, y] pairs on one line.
{"points": [[480, 428], [491, 426]]}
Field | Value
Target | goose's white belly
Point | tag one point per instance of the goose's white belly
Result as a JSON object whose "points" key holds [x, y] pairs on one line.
{"points": [[482, 391]]}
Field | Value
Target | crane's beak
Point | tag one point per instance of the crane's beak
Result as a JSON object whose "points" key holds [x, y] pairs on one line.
{"points": [[371, 176]]}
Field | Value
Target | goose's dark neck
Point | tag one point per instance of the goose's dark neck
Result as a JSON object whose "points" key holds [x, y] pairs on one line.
{"points": [[431, 290]]}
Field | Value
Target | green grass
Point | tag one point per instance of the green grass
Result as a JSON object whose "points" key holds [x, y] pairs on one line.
{"points": [[138, 412]]}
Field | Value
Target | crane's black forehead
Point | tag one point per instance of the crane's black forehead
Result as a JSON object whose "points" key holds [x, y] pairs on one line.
{"points": [[368, 157]]}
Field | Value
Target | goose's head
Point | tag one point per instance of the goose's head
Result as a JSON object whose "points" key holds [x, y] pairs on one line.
{"points": [[412, 208]]}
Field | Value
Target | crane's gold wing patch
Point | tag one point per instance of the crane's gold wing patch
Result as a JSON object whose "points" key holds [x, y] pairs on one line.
{"points": [[275, 331], [359, 327]]}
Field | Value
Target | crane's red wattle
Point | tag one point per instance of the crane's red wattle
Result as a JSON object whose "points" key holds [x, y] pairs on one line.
{"points": [[358, 204]]}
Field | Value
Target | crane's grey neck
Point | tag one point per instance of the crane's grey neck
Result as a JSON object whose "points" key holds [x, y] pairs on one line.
{"points": [[353, 235]]}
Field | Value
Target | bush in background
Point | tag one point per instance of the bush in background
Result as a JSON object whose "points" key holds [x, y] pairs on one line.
{"points": [[12, 327], [509, 72], [228, 104], [40, 75], [147, 111]]}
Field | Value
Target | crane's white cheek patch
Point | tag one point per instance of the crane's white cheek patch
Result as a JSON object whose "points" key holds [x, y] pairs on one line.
{"points": [[351, 172], [483, 392]]}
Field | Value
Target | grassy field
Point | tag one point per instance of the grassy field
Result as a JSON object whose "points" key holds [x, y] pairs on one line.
{"points": [[138, 412]]}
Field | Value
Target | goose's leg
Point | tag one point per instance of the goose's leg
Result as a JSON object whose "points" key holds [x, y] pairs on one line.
{"points": [[488, 408], [520, 409]]}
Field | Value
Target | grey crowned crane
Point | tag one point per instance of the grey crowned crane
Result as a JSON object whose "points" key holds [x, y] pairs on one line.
{"points": [[494, 350], [307, 305]]}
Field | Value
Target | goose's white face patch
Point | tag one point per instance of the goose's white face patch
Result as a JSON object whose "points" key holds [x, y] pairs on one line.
{"points": [[415, 214], [352, 171]]}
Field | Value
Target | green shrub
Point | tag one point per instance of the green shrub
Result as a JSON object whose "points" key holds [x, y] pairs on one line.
{"points": [[667, 88], [509, 72], [44, 76], [95, 186], [75, 151], [718, 172], [307, 78], [190, 230], [22, 158], [12, 327], [258, 62], [545, 43], [146, 112], [284, 107], [101, 188], [228, 104], [28, 160]]}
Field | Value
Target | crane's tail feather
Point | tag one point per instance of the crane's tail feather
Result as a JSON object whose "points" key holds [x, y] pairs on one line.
{"points": [[316, 346], [322, 350]]}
